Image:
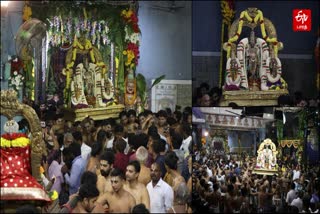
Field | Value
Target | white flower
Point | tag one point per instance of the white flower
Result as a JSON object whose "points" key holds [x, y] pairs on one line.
{"points": [[106, 28], [134, 38], [15, 73]]}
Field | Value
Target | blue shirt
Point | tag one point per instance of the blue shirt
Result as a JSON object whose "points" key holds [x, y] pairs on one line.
{"points": [[160, 160], [77, 169]]}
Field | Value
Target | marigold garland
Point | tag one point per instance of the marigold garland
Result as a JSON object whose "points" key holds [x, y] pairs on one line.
{"points": [[27, 12], [258, 17], [13, 136], [18, 142], [78, 46]]}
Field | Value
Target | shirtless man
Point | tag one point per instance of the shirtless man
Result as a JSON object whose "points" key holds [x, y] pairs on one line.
{"points": [[137, 189], [106, 165], [142, 156], [88, 194], [119, 200], [171, 163]]}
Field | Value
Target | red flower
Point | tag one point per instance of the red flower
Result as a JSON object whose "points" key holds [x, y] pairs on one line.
{"points": [[13, 136]]}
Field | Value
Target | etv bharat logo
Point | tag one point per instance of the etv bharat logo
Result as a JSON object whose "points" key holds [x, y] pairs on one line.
{"points": [[301, 20]]}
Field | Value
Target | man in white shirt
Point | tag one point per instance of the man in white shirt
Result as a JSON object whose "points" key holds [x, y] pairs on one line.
{"points": [[298, 202], [291, 194], [85, 149], [108, 125], [296, 173], [187, 138], [160, 193]]}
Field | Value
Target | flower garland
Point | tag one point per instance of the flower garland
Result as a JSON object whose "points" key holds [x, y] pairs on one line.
{"points": [[62, 30], [16, 81], [131, 18], [75, 47], [27, 12], [132, 33], [227, 11], [132, 55], [14, 140], [259, 17]]}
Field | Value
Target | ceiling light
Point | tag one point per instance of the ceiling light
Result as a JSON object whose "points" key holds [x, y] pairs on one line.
{"points": [[4, 3]]}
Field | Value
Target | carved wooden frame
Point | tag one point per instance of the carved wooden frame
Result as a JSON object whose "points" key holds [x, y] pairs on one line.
{"points": [[11, 107]]}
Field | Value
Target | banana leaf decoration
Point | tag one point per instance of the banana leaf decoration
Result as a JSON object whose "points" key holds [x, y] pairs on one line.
{"points": [[142, 86]]}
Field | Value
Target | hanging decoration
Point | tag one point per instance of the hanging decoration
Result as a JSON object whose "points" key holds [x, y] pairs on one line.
{"points": [[130, 55], [121, 31], [16, 79], [27, 12], [258, 19], [228, 12]]}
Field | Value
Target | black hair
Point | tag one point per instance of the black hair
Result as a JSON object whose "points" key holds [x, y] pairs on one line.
{"points": [[142, 139], [171, 121], [176, 140], [162, 113], [77, 135], [56, 154], [106, 122], [120, 145], [118, 128], [178, 115], [132, 112], [185, 115], [148, 112], [140, 208], [88, 190], [186, 128], [96, 148], [169, 111], [117, 172], [60, 139], [204, 85], [123, 113], [158, 145], [89, 177], [171, 160], [27, 208], [142, 114], [108, 156], [136, 165], [152, 130], [75, 149], [132, 140], [101, 136]]}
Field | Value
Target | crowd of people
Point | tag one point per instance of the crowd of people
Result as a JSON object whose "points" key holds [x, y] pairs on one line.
{"points": [[224, 183], [139, 163]]}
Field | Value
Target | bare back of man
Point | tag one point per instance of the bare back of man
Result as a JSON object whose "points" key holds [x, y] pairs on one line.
{"points": [[177, 179], [118, 203], [102, 182], [140, 193], [144, 176]]}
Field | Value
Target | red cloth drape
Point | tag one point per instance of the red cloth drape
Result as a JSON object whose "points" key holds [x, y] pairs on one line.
{"points": [[16, 175]]}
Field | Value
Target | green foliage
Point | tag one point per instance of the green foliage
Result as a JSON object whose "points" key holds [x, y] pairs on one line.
{"points": [[142, 86], [302, 123], [157, 81]]}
